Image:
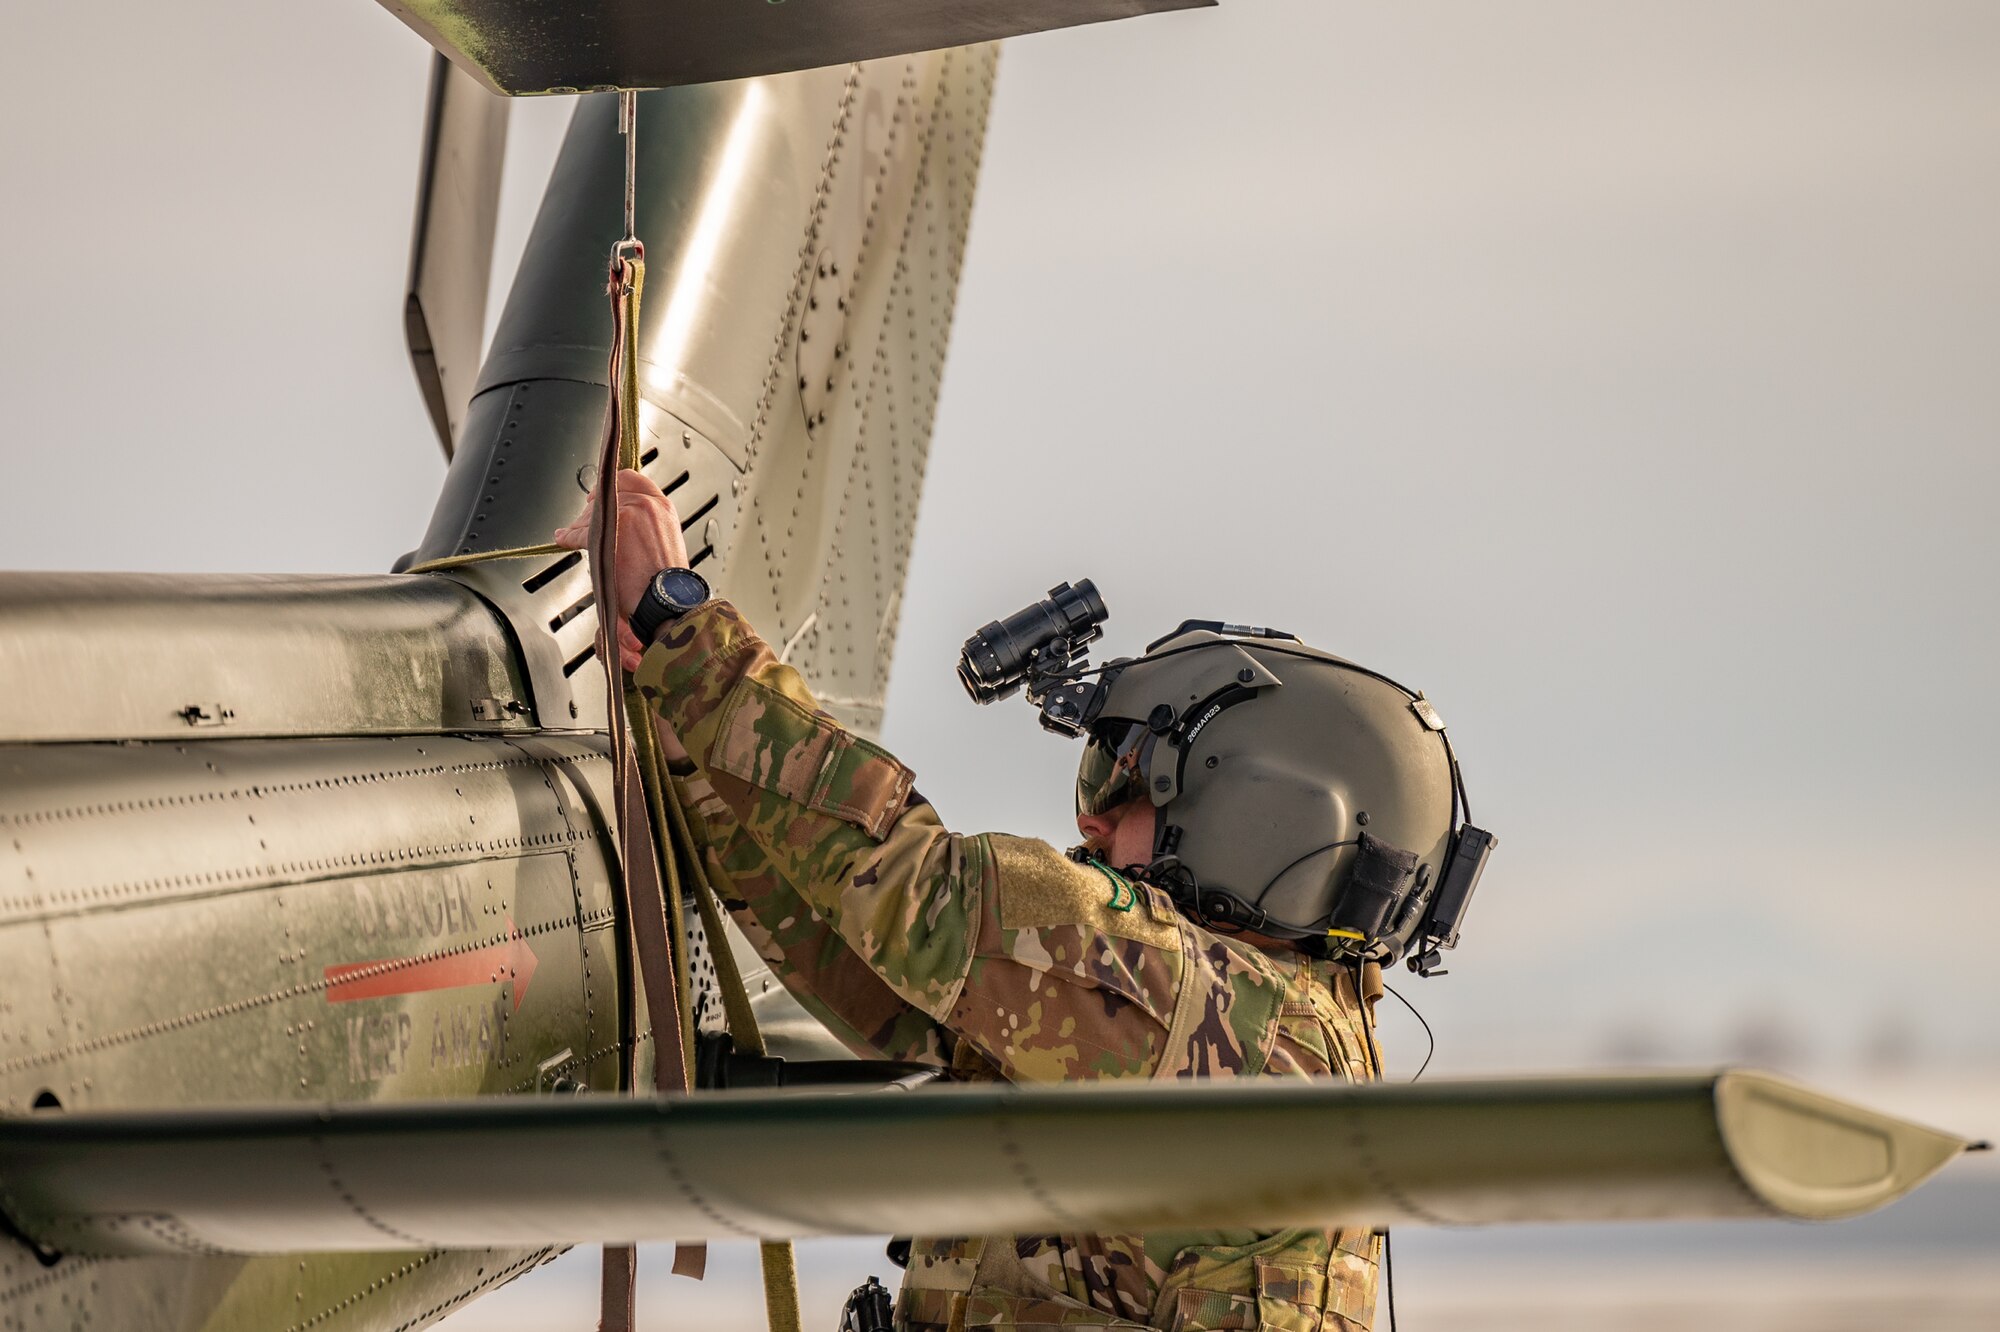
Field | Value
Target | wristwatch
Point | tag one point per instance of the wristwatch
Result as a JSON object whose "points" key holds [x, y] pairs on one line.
{"points": [[671, 594]]}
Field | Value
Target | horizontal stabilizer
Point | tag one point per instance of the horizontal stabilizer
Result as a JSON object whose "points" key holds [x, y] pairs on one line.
{"points": [[451, 247], [526, 46], [522, 1172]]}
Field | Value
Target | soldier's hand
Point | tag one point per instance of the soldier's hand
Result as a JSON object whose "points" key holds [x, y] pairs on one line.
{"points": [[630, 649], [671, 748], [649, 538]]}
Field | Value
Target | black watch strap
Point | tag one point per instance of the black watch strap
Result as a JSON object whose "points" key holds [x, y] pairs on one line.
{"points": [[671, 594]]}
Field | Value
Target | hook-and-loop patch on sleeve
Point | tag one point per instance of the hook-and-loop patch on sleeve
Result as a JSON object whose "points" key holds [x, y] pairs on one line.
{"points": [[773, 743]]}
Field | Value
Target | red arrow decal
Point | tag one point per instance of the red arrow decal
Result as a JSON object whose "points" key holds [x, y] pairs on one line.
{"points": [[510, 959]]}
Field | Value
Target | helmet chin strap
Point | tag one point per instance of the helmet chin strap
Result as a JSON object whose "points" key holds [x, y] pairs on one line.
{"points": [[1226, 913], [1213, 907], [1217, 908]]}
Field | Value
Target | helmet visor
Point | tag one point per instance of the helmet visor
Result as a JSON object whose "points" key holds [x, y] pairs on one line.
{"points": [[1113, 767]]}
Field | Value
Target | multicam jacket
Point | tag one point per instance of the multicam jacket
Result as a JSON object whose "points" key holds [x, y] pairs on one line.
{"points": [[999, 957]]}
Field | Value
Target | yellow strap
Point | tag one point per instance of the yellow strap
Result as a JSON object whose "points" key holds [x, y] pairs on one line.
{"points": [[627, 387], [781, 1285], [481, 556], [668, 830], [781, 1274]]}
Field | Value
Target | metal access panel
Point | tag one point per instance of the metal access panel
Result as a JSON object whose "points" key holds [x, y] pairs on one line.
{"points": [[524, 47]]}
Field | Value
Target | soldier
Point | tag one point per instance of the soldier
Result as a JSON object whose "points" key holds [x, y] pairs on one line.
{"points": [[1141, 955]]}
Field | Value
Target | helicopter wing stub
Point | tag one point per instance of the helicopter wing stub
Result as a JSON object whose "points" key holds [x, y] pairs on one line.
{"points": [[956, 1160], [522, 47]]}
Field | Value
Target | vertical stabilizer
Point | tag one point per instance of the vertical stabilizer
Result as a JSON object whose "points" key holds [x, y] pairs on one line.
{"points": [[804, 234]]}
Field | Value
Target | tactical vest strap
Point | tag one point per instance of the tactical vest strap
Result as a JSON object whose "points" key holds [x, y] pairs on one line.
{"points": [[952, 1268], [941, 1275], [779, 1261]]}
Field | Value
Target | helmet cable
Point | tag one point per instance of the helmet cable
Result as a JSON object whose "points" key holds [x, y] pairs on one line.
{"points": [[1388, 1279], [1429, 1035]]}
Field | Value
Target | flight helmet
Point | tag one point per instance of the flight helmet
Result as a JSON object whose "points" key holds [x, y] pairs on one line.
{"points": [[1298, 794]]}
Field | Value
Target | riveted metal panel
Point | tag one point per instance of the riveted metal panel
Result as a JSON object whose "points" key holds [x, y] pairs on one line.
{"points": [[356, 1292], [435, 982], [31, 1019], [102, 828], [579, 779], [261, 920], [804, 237], [250, 655], [891, 247], [176, 1003]]}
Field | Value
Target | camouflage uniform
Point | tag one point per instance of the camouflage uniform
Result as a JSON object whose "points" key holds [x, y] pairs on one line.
{"points": [[999, 957]]}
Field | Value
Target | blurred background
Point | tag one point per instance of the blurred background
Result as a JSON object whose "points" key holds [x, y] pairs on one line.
{"points": [[1622, 375]]}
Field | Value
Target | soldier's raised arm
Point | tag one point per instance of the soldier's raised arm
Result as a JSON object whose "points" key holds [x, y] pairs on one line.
{"points": [[800, 945], [1281, 823], [1052, 969]]}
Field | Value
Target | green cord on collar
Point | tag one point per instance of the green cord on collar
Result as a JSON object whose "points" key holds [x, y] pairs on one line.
{"points": [[1124, 893]]}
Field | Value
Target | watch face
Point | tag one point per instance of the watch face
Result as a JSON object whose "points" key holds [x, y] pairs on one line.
{"points": [[682, 589]]}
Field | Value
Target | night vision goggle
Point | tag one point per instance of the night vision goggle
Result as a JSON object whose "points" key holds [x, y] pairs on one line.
{"points": [[1041, 650]]}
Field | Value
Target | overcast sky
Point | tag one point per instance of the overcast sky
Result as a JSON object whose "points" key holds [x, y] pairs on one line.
{"points": [[1620, 374]]}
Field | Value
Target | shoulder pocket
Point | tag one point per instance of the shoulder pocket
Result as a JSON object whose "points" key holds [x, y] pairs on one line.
{"points": [[772, 743], [1041, 888]]}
